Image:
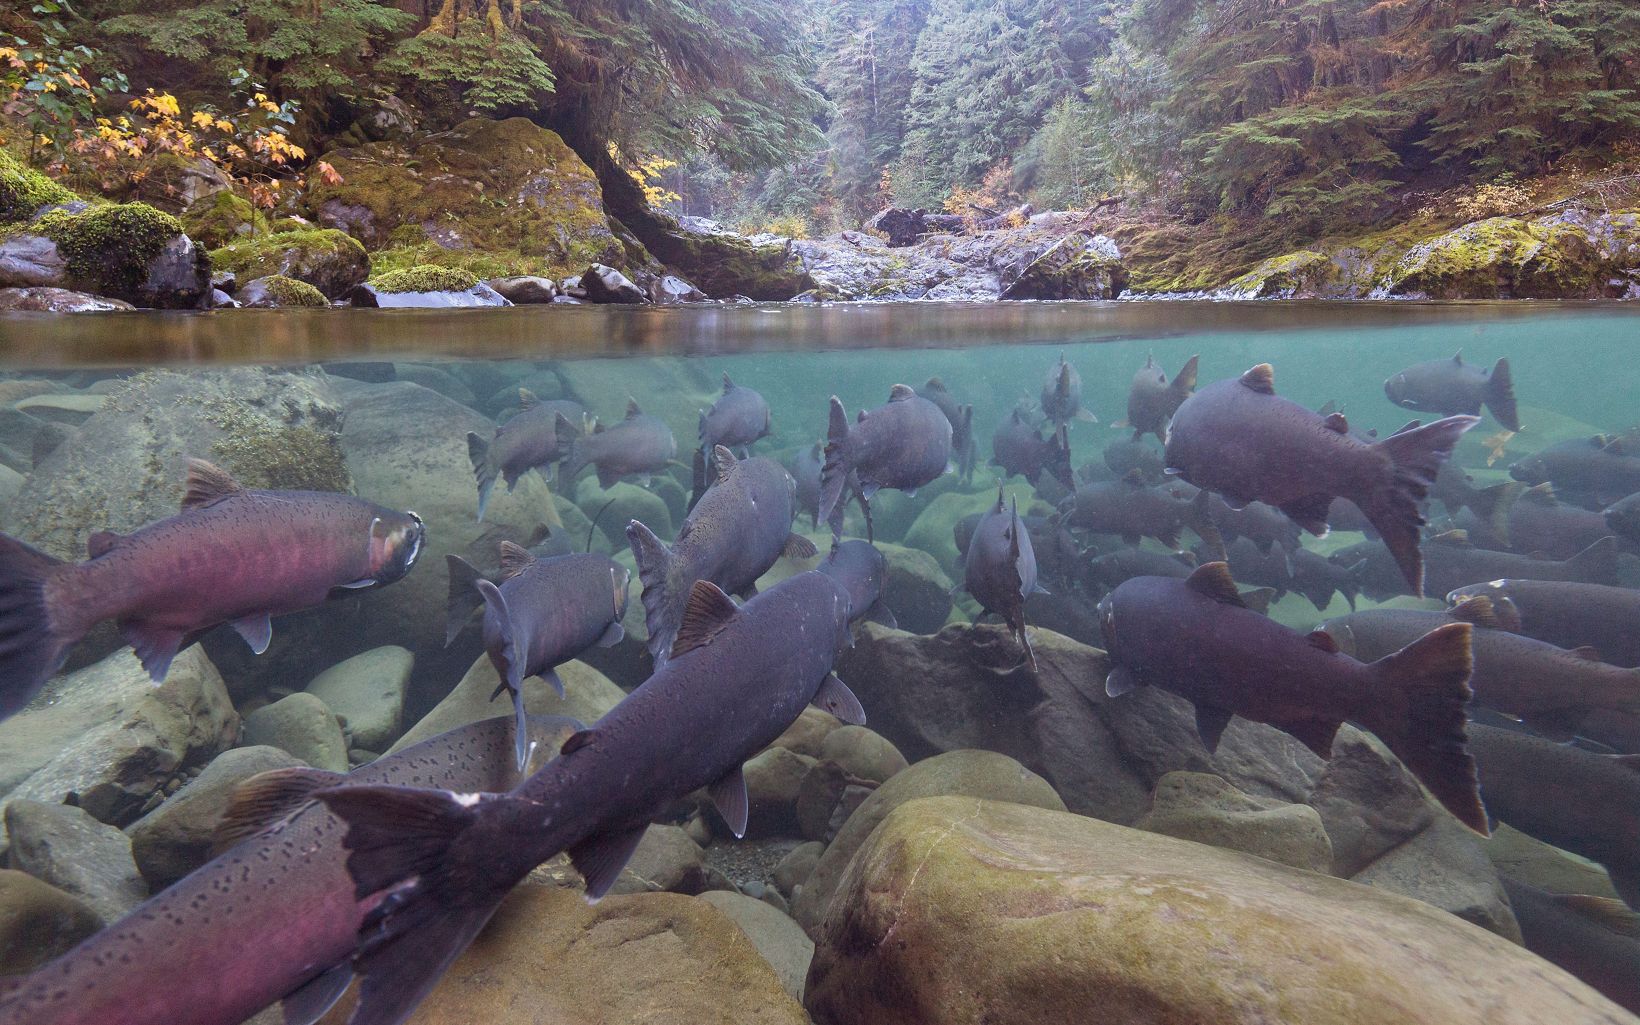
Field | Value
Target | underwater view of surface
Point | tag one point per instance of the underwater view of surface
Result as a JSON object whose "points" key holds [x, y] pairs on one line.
{"points": [[1198, 662]]}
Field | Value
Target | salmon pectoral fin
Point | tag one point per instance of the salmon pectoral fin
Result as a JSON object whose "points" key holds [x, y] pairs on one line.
{"points": [[308, 1003], [256, 629], [1315, 734], [729, 797], [834, 696], [600, 859], [155, 646]]}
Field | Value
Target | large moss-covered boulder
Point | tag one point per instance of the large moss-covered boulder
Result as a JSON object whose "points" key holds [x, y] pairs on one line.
{"points": [[220, 218], [277, 291], [496, 197], [1509, 258], [126, 251], [960, 911], [331, 261], [23, 190], [655, 958], [427, 286], [1305, 274]]}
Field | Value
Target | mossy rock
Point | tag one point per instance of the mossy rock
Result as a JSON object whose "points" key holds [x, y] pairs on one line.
{"points": [[425, 278], [1504, 258], [1292, 275], [330, 260], [276, 290], [23, 190], [220, 218], [129, 251], [728, 265], [483, 187]]}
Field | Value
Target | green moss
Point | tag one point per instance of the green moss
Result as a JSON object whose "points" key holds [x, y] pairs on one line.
{"points": [[1503, 257], [1282, 277], [426, 278], [267, 255], [483, 264], [263, 453], [24, 190], [107, 249], [221, 218], [290, 292]]}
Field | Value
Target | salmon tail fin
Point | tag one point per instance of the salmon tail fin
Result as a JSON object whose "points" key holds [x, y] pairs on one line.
{"points": [[662, 606], [835, 472], [1597, 563], [413, 844], [33, 639], [1059, 457], [1199, 517], [478, 453], [1184, 382], [1500, 395], [1419, 712], [569, 442], [464, 598], [510, 660], [1394, 505], [1493, 504]]}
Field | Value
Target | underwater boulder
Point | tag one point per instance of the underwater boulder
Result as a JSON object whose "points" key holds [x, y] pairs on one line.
{"points": [[1023, 915], [780, 940], [368, 691], [108, 735], [1204, 808], [916, 590], [976, 774], [648, 957], [302, 726], [588, 694], [62, 845], [38, 921]]}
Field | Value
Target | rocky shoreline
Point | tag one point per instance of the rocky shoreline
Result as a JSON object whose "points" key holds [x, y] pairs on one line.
{"points": [[494, 213]]}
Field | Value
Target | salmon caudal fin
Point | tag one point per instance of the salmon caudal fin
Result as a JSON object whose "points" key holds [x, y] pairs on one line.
{"points": [[421, 845], [33, 640], [1184, 382], [478, 452], [1394, 503], [464, 598], [662, 601], [1500, 395], [1418, 710], [1492, 504], [835, 472]]}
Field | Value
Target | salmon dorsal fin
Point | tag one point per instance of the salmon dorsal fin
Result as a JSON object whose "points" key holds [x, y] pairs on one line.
{"points": [[515, 559], [1329, 409], [728, 385], [633, 409], [1213, 579], [527, 399], [1542, 493], [999, 506], [1322, 640], [1457, 357], [709, 610], [1336, 422], [901, 392], [1261, 379], [267, 798], [934, 384], [1259, 599], [1477, 610], [723, 460], [207, 483]]}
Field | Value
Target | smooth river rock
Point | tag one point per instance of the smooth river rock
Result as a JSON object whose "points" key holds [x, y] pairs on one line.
{"points": [[588, 694], [38, 922], [961, 911], [368, 691], [1204, 808]]}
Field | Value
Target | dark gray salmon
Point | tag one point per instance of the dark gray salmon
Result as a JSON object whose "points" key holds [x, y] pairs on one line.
{"points": [[863, 572], [464, 598], [1587, 803], [805, 469], [1552, 689], [963, 450], [1153, 399], [1105, 572], [531, 440], [739, 417], [1543, 526], [902, 444], [740, 527], [1197, 638], [1019, 448], [1344, 514], [1318, 579], [1242, 440], [1599, 470], [231, 556], [1062, 395], [1250, 564], [1125, 456], [1623, 518], [1132, 509], [272, 918], [1000, 570], [736, 680], [1264, 525], [1445, 386], [1597, 939], [639, 446], [1567, 614], [543, 613]]}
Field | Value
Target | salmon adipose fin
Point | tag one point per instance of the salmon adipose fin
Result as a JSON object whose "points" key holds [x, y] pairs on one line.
{"points": [[464, 598], [478, 452], [510, 664], [1500, 395], [836, 471], [410, 841], [1419, 712], [662, 604], [33, 643], [1393, 504]]}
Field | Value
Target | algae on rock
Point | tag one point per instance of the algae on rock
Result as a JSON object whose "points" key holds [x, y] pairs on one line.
{"points": [[23, 190], [331, 261]]}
